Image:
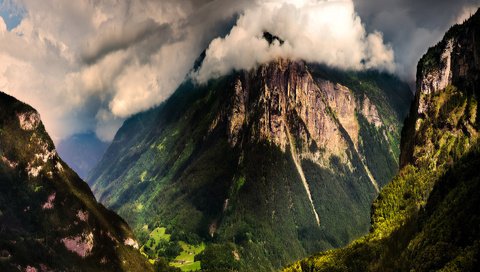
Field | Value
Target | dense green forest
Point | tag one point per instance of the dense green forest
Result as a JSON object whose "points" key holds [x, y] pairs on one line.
{"points": [[427, 217], [199, 166]]}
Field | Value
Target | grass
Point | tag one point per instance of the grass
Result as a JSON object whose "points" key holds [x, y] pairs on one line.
{"points": [[143, 175], [159, 234], [156, 236], [189, 170], [186, 260]]}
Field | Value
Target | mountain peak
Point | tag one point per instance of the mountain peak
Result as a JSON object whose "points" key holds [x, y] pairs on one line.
{"points": [[276, 149], [272, 38]]}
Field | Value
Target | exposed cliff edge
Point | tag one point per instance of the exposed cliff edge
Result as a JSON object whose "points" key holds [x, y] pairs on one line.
{"points": [[270, 164], [427, 218], [49, 218], [447, 76]]}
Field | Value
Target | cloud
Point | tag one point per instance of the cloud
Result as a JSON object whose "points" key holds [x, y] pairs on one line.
{"points": [[120, 38], [86, 65], [3, 26], [412, 26], [465, 13], [326, 32]]}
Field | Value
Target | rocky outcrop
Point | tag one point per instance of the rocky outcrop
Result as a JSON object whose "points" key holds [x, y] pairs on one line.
{"points": [[238, 113], [446, 75], [344, 106], [290, 93], [29, 120], [82, 245], [284, 97], [427, 217], [434, 79], [370, 112], [282, 160]]}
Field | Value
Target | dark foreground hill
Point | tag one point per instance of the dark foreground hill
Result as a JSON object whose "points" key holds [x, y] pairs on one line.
{"points": [[49, 218]]}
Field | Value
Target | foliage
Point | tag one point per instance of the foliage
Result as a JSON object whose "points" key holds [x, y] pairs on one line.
{"points": [[427, 218], [417, 233], [219, 257], [162, 265], [40, 209], [187, 258], [174, 167]]}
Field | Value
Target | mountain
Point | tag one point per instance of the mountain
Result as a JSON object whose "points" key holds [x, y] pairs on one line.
{"points": [[264, 166], [428, 217], [82, 152], [49, 218]]}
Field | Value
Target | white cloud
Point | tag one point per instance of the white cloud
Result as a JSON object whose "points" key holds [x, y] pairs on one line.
{"points": [[326, 32], [76, 61], [3, 26], [88, 64], [412, 26], [107, 125], [466, 13]]}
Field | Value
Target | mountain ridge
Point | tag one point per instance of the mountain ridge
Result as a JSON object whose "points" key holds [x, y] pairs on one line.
{"points": [[45, 206], [220, 156], [427, 218]]}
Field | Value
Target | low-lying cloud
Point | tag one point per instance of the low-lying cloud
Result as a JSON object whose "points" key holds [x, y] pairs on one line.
{"points": [[328, 32]]}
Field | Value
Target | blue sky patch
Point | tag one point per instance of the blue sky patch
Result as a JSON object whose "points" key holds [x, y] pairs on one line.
{"points": [[11, 13]]}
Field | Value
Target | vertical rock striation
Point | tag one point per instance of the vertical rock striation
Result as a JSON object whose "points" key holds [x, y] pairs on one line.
{"points": [[427, 217], [282, 160]]}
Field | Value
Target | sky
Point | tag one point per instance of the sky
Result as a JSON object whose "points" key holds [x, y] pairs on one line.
{"points": [[86, 65]]}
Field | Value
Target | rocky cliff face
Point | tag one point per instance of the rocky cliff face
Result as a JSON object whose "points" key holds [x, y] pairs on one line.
{"points": [[427, 218], [281, 160], [282, 99], [49, 219], [447, 83], [288, 91]]}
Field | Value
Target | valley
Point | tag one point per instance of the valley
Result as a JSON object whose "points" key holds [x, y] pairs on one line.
{"points": [[279, 149], [239, 136]]}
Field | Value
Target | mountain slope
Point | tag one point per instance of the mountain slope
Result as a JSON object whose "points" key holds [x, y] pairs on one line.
{"points": [[82, 152], [49, 219], [268, 165], [427, 218]]}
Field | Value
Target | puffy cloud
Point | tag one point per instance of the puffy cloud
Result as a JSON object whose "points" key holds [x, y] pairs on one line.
{"points": [[326, 32], [88, 64]]}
